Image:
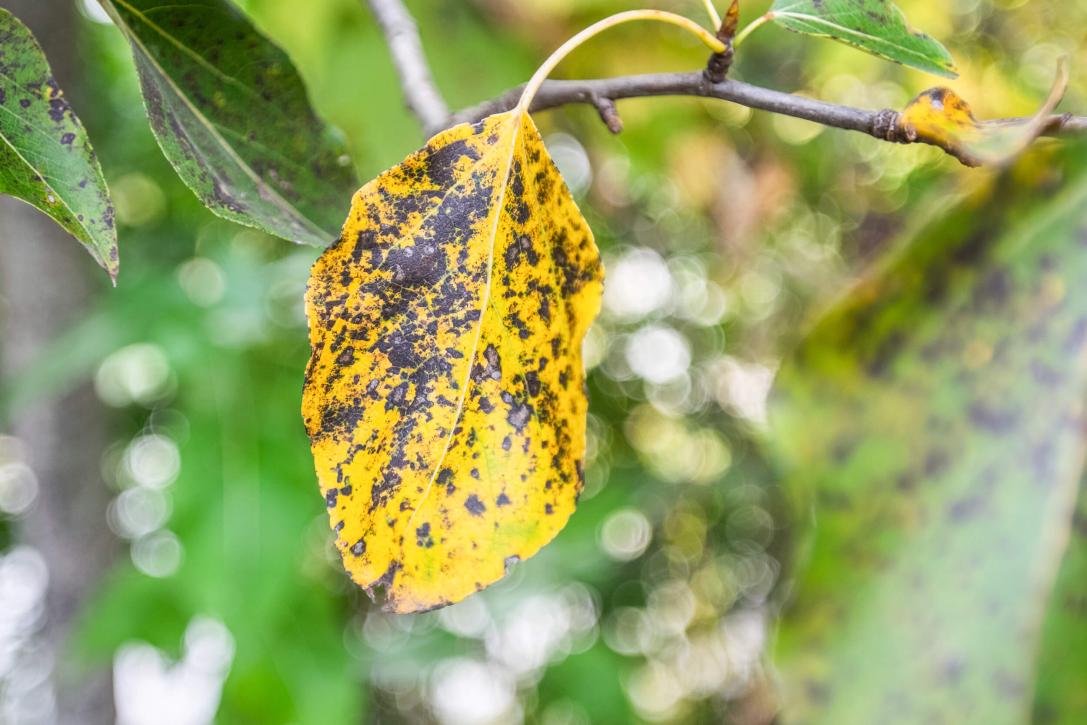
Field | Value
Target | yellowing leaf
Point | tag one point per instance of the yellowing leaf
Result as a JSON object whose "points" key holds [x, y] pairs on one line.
{"points": [[444, 398], [445, 394], [941, 118]]}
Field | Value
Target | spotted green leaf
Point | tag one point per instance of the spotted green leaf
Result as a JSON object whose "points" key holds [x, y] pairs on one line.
{"points": [[875, 26], [45, 157], [231, 114], [936, 419]]}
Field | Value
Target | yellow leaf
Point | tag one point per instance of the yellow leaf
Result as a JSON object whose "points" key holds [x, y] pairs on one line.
{"points": [[445, 398], [942, 118], [445, 394]]}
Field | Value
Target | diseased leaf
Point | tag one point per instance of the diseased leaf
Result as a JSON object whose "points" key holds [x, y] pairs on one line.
{"points": [[1061, 697], [45, 157], [936, 416], [941, 118], [232, 116], [875, 26], [445, 395]]}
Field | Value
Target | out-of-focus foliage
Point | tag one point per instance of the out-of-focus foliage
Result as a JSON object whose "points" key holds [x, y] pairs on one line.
{"points": [[722, 231], [445, 396], [1060, 698], [45, 157], [935, 418], [233, 117]]}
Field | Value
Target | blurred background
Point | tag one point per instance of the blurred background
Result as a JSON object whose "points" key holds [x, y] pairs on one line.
{"points": [[165, 555]]}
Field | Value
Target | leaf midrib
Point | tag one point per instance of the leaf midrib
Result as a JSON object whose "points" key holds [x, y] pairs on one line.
{"points": [[518, 122]]}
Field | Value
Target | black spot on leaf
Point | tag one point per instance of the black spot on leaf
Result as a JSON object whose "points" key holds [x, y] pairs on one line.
{"points": [[474, 505]]}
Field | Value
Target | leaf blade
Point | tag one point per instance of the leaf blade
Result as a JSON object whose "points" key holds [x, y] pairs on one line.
{"points": [[46, 158], [940, 117], [445, 393], [874, 26], [232, 116], [945, 463], [1060, 698]]}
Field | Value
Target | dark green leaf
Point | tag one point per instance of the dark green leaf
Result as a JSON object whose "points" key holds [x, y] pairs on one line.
{"points": [[874, 26], [1061, 697], [45, 157], [937, 416], [231, 114]]}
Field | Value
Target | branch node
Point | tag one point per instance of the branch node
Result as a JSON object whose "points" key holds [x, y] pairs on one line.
{"points": [[720, 63], [887, 126], [609, 113]]}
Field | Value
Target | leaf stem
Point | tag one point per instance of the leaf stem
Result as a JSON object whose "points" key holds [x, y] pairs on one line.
{"points": [[752, 27], [570, 45], [715, 19]]}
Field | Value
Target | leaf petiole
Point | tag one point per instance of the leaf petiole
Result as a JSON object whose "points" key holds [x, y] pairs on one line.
{"points": [[752, 27], [533, 86], [715, 19]]}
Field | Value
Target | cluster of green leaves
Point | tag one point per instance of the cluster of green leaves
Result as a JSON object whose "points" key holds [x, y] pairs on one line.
{"points": [[226, 105]]}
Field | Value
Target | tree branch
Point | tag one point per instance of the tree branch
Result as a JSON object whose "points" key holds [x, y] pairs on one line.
{"points": [[427, 104], [882, 124], [402, 36]]}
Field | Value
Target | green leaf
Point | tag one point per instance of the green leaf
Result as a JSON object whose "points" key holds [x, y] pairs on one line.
{"points": [[936, 416], [875, 26], [231, 114], [1060, 697], [45, 157]]}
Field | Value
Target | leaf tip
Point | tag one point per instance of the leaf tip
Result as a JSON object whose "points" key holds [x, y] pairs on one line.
{"points": [[111, 262]]}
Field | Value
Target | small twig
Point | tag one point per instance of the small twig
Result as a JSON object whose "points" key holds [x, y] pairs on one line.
{"points": [[420, 92], [882, 124], [609, 114], [1066, 125]]}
